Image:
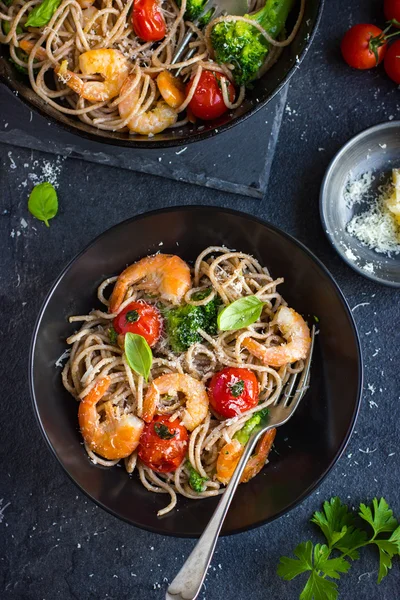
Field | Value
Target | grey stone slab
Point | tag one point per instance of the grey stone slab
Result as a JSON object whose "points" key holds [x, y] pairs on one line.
{"points": [[216, 164]]}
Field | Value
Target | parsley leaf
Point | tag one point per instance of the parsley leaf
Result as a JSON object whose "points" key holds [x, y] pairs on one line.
{"points": [[330, 566], [289, 568], [319, 588], [163, 431], [380, 517], [237, 388]]}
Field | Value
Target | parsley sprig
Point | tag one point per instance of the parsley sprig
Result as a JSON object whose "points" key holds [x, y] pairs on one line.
{"points": [[345, 532]]}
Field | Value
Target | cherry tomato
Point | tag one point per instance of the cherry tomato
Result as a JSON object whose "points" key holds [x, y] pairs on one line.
{"points": [[163, 444], [148, 21], [141, 318], [232, 391], [208, 102], [392, 9], [362, 45], [392, 62]]}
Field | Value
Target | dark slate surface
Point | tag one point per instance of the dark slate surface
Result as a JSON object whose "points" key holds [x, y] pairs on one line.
{"points": [[54, 544]]}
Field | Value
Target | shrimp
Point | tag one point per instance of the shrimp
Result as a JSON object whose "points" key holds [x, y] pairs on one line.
{"points": [[230, 454], [27, 47], [297, 333], [112, 438], [166, 274], [171, 89], [150, 122], [196, 397], [109, 63]]}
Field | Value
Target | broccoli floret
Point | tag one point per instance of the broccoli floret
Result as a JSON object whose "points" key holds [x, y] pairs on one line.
{"points": [[242, 45], [196, 481], [194, 8], [242, 436], [183, 323]]}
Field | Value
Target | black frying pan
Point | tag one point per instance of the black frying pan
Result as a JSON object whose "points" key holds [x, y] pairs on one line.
{"points": [[264, 90]]}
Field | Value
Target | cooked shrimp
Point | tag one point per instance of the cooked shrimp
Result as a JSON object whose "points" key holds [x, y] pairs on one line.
{"points": [[230, 454], [171, 89], [27, 47], [109, 63], [166, 274], [150, 122], [113, 437], [195, 392], [297, 333]]}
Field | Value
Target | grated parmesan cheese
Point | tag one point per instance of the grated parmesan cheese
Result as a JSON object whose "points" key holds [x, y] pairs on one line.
{"points": [[357, 189], [376, 227]]}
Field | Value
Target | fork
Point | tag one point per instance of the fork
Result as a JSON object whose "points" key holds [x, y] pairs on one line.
{"points": [[187, 584], [228, 7]]}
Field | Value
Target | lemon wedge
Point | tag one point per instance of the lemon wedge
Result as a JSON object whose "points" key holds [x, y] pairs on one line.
{"points": [[393, 202]]}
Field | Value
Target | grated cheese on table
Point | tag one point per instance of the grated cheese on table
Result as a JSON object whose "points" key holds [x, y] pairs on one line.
{"points": [[377, 227]]}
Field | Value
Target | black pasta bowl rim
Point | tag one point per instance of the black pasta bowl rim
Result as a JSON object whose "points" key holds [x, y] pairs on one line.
{"points": [[323, 200], [197, 136], [360, 375]]}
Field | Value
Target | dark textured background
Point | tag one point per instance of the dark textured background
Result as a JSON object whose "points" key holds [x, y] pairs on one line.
{"points": [[54, 544]]}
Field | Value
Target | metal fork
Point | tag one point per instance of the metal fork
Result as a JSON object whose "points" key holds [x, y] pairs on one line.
{"points": [[187, 584], [227, 7]]}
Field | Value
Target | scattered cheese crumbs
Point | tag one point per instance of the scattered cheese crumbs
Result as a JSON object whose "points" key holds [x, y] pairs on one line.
{"points": [[379, 227], [78, 545], [12, 161], [371, 388], [369, 268], [181, 151], [372, 404], [350, 254], [64, 356], [383, 146], [357, 189]]}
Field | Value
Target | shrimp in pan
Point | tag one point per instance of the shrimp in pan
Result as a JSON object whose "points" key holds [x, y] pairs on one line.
{"points": [[297, 333], [114, 437], [196, 408], [230, 454], [149, 122], [164, 274], [109, 63]]}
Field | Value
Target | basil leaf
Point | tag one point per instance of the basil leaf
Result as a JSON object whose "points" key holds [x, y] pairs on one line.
{"points": [[163, 431], [43, 202], [42, 13], [138, 354], [241, 313]]}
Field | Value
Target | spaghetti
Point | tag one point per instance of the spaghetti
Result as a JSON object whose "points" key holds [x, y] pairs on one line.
{"points": [[220, 276], [56, 61]]}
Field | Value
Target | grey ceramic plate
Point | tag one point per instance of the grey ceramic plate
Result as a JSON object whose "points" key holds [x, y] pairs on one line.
{"points": [[378, 150]]}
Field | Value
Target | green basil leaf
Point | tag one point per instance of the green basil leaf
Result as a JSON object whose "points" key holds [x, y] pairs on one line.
{"points": [[43, 202], [42, 13], [138, 354], [241, 313]]}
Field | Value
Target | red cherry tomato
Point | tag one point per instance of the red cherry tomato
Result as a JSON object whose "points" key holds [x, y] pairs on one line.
{"points": [[361, 46], [208, 102], [392, 62], [392, 9], [141, 318], [232, 391], [148, 21], [163, 444]]}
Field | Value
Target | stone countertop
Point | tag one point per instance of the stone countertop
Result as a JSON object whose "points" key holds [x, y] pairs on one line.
{"points": [[54, 543]]}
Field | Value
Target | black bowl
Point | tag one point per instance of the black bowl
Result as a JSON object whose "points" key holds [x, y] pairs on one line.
{"points": [[307, 447], [264, 90]]}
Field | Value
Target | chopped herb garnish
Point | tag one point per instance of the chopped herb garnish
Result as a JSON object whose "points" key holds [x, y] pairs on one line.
{"points": [[237, 388], [163, 431], [132, 316], [113, 335]]}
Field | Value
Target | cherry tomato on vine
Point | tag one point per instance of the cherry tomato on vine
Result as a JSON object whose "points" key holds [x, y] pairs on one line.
{"points": [[392, 62], [140, 318], [232, 391], [208, 102], [148, 21], [163, 444], [392, 9], [364, 46]]}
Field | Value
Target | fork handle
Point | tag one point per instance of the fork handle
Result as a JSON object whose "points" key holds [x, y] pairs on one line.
{"points": [[187, 584]]}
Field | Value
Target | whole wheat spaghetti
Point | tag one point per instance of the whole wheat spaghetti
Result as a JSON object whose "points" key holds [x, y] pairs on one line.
{"points": [[218, 278]]}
